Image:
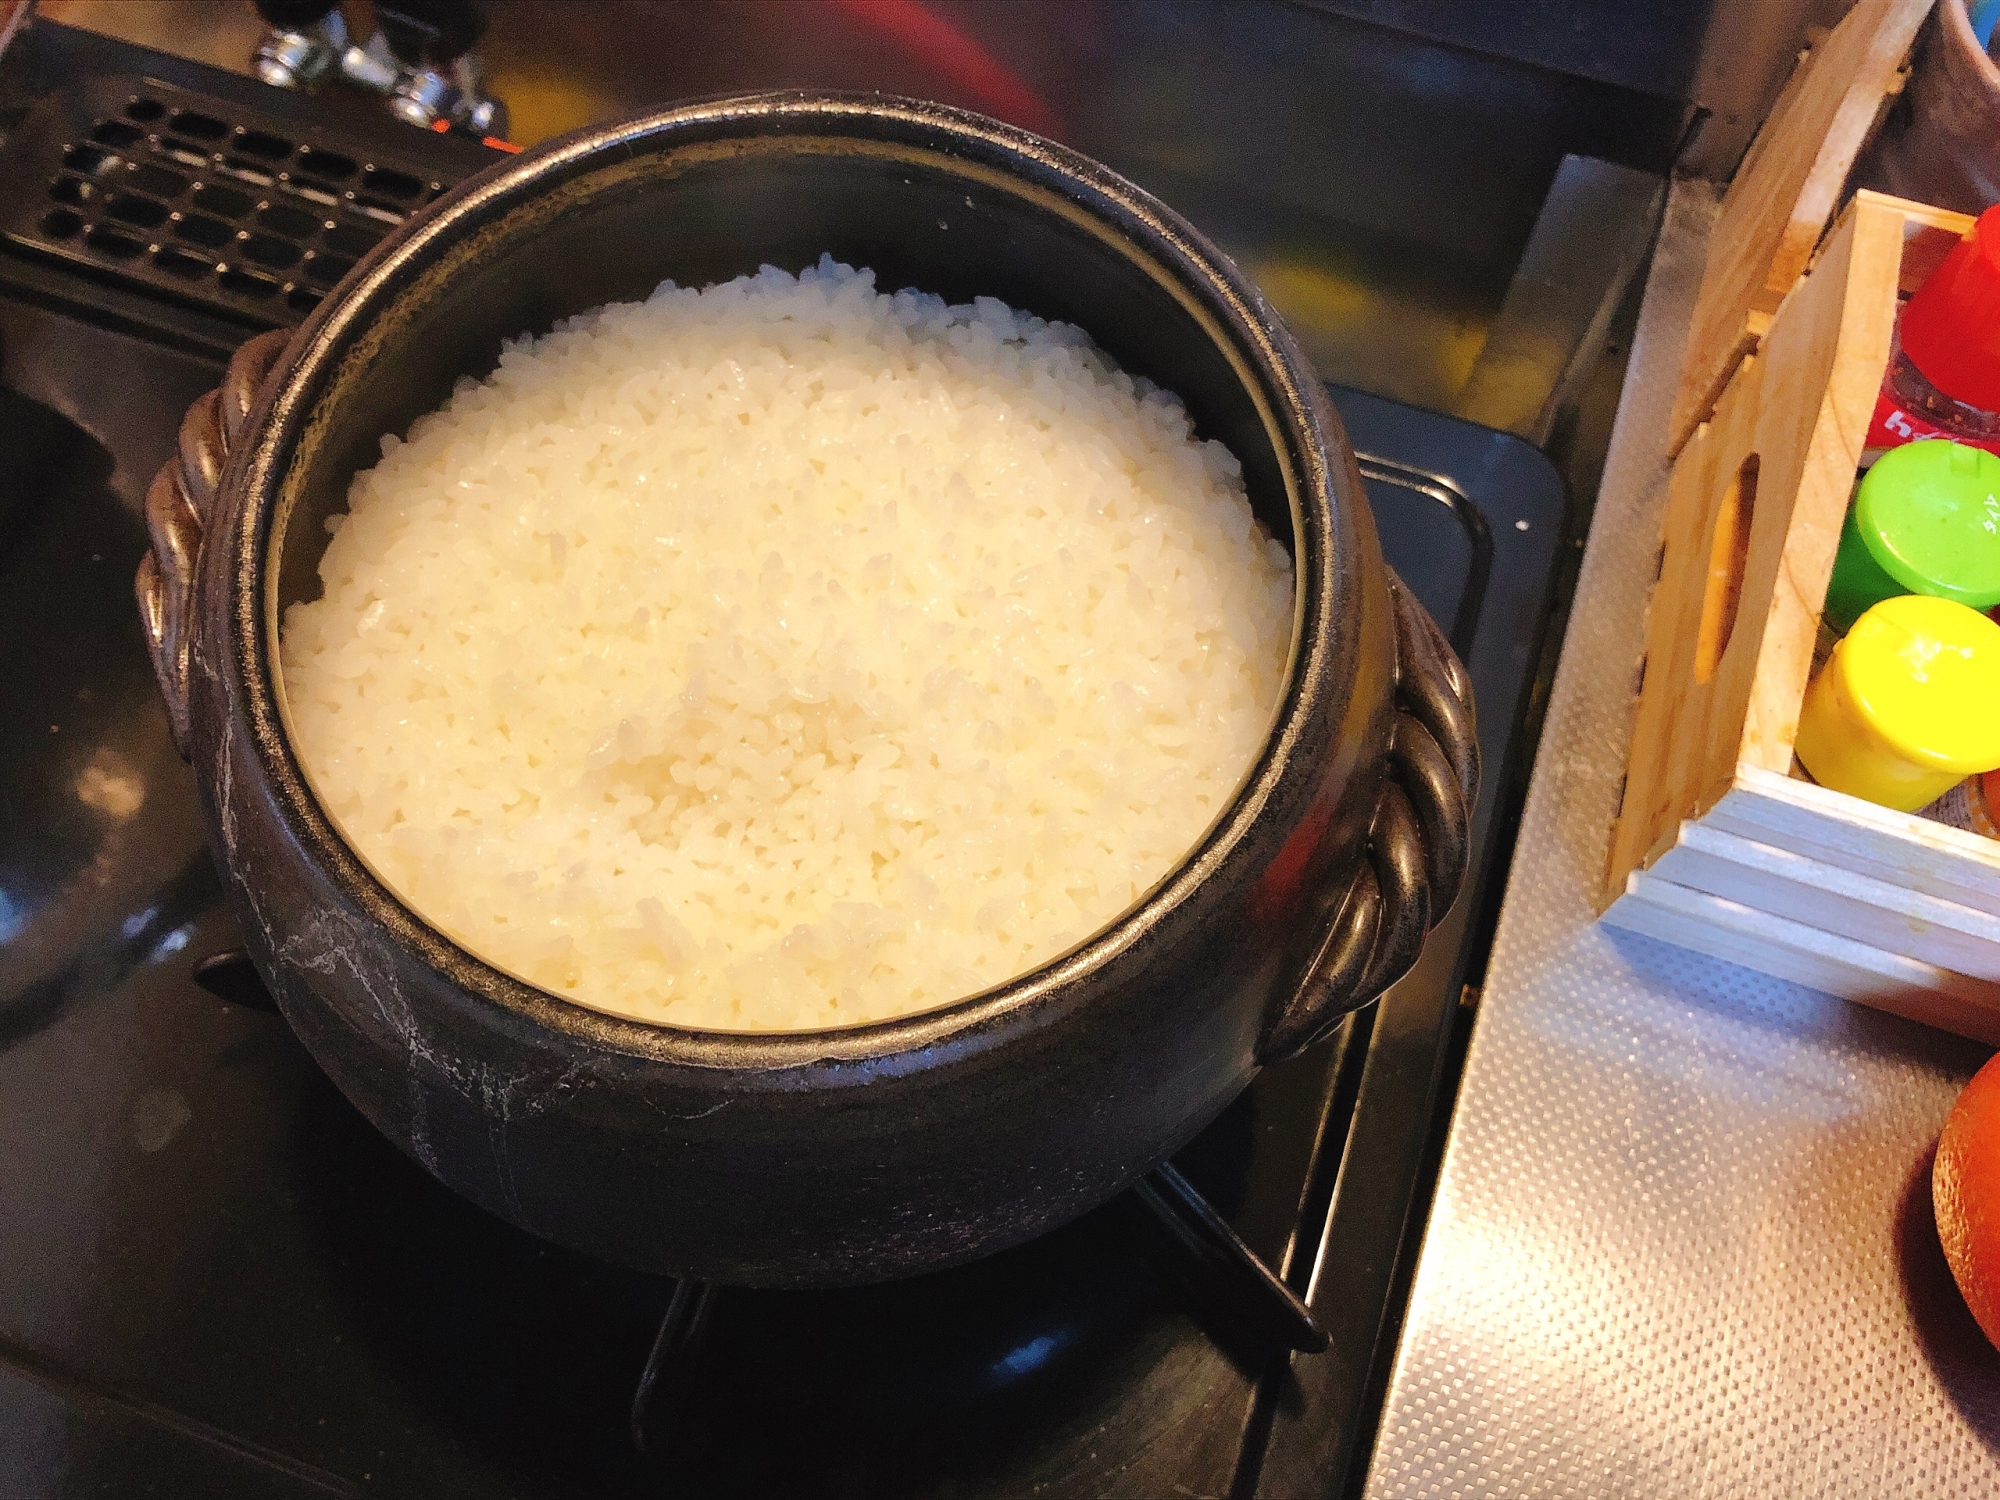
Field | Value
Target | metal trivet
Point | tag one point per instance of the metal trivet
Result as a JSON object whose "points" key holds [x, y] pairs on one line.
{"points": [[1206, 1253]]}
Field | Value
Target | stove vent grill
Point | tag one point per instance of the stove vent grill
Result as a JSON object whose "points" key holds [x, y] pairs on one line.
{"points": [[193, 197]]}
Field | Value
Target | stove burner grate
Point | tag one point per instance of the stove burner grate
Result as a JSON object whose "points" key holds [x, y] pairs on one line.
{"points": [[1207, 1256], [1210, 1257]]}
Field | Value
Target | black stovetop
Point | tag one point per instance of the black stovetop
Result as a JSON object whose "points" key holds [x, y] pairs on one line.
{"points": [[216, 1279]]}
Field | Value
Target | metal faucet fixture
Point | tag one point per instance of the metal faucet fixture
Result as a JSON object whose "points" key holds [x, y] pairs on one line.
{"points": [[421, 58], [303, 41], [441, 79]]}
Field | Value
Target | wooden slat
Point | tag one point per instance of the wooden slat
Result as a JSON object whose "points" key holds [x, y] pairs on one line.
{"points": [[1689, 735], [1824, 359], [1899, 848], [1880, 913], [1805, 955], [1786, 189]]}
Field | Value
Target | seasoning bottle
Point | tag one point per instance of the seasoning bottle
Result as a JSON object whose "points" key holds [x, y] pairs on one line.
{"points": [[1926, 520], [1970, 805], [1943, 378], [1907, 706]]}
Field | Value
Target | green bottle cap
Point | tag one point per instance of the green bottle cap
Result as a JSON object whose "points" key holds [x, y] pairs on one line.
{"points": [[1926, 521]]}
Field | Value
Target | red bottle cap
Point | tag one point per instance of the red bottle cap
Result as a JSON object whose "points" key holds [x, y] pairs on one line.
{"points": [[1951, 327]]}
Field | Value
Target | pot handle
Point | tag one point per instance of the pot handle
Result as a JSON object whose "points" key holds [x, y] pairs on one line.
{"points": [[177, 511], [1419, 841]]}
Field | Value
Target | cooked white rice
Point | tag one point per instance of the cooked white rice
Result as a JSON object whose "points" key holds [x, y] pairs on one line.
{"points": [[786, 655]]}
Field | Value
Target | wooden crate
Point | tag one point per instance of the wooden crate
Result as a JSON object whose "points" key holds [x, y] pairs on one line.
{"points": [[1719, 845]]}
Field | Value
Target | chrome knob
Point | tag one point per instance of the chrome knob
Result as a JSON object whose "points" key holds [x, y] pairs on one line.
{"points": [[373, 67], [422, 98], [291, 57], [455, 93]]}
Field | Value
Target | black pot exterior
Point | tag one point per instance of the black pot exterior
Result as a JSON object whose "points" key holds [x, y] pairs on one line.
{"points": [[815, 1158]]}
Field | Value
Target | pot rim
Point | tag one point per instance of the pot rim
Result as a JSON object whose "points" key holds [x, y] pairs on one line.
{"points": [[1298, 420]]}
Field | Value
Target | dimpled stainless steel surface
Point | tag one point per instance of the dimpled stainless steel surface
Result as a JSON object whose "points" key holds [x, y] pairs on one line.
{"points": [[1682, 1245]]}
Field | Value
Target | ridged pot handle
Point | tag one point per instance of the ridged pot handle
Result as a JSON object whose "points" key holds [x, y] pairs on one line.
{"points": [[177, 512], [1419, 841]]}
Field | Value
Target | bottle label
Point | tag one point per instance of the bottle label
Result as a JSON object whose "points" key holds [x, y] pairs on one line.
{"points": [[1893, 426], [1964, 806]]}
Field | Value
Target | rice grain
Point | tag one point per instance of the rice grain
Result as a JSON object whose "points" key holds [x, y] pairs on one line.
{"points": [[785, 654]]}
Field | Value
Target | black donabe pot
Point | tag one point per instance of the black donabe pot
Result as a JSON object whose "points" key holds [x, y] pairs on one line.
{"points": [[837, 1156]]}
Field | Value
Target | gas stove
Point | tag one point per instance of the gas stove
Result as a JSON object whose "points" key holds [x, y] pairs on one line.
{"points": [[217, 1279]]}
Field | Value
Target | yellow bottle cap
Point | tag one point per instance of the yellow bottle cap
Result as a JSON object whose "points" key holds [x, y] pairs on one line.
{"points": [[1927, 673], [1908, 706]]}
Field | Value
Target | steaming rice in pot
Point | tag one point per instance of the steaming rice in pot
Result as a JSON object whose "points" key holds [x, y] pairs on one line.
{"points": [[785, 654]]}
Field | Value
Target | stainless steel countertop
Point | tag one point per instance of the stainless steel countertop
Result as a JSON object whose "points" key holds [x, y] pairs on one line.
{"points": [[1682, 1243]]}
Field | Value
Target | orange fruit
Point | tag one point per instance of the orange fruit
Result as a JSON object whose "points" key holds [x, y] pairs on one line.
{"points": [[1965, 1191]]}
